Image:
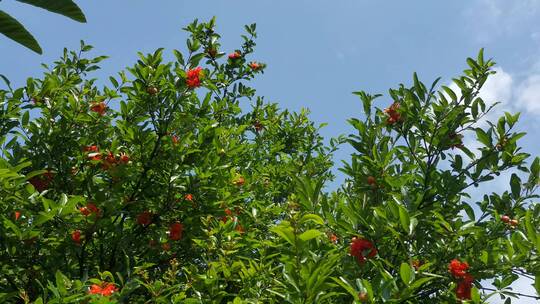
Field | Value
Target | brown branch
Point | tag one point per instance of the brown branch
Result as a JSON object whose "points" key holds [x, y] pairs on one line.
{"points": [[512, 292]]}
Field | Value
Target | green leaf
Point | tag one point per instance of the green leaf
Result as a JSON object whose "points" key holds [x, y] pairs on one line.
{"points": [[6, 80], [515, 185], [15, 31], [483, 137], [406, 273], [196, 59], [312, 217], [450, 93], [529, 228], [535, 167], [60, 282], [12, 226], [25, 118], [346, 285], [285, 232], [42, 218], [474, 109], [480, 57], [418, 87], [469, 210], [179, 57], [418, 283], [537, 284], [473, 64], [309, 234], [66, 8], [114, 81], [405, 220], [475, 295]]}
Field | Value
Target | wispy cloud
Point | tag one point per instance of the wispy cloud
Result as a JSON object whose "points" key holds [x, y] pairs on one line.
{"points": [[488, 19]]}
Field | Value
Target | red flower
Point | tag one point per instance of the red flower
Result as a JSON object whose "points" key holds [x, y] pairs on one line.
{"points": [[105, 289], [89, 209], [193, 78], [94, 156], [110, 160], [188, 197], [144, 218], [99, 107], [362, 249], [239, 181], [467, 278], [239, 228], [416, 264], [92, 148], [95, 289], [235, 55], [392, 113], [166, 246], [333, 238], [458, 269], [76, 236], [175, 231], [228, 211], [109, 289], [174, 139], [505, 219], [463, 290], [363, 297], [17, 215], [254, 65], [41, 182], [124, 158]]}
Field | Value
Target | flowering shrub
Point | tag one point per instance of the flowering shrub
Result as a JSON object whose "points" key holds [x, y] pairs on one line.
{"points": [[177, 184]]}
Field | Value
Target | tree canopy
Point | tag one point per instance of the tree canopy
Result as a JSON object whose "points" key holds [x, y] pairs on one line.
{"points": [[177, 183]]}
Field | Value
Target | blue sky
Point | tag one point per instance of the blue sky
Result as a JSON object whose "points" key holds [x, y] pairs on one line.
{"points": [[317, 51]]}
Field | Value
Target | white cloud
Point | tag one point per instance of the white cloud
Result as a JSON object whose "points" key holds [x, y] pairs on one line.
{"points": [[488, 19], [528, 94], [514, 94], [498, 87]]}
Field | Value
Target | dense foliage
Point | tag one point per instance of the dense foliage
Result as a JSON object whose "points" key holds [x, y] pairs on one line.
{"points": [[177, 184]]}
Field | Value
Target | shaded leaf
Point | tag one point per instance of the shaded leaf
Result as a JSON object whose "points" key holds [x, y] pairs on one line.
{"points": [[15, 31], [66, 8]]}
